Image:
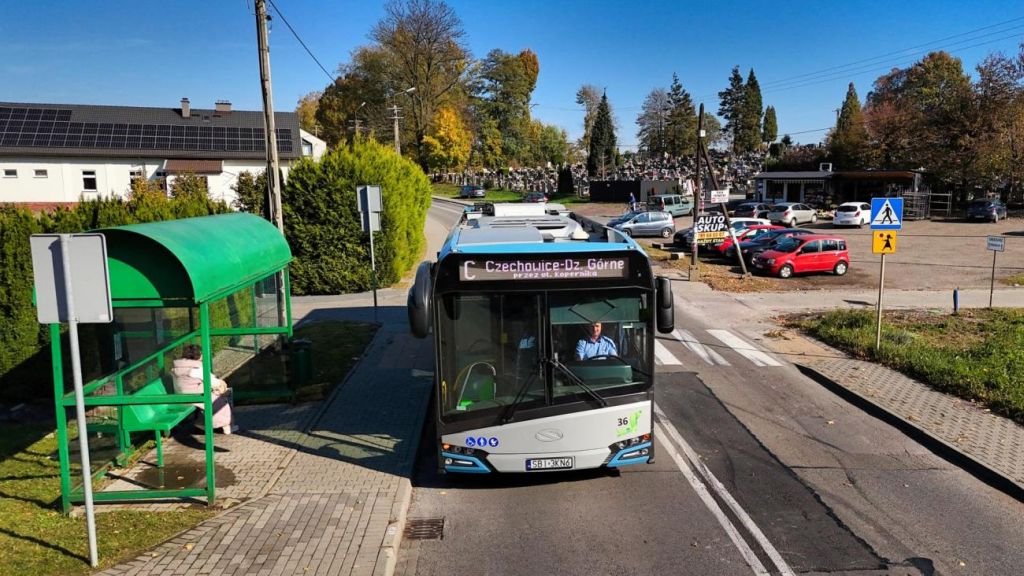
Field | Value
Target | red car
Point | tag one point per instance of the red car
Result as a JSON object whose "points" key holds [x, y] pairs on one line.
{"points": [[748, 233], [807, 253]]}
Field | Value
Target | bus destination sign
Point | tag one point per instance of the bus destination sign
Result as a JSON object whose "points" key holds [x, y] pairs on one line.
{"points": [[568, 268]]}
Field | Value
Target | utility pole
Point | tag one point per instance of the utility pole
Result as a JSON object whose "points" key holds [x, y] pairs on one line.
{"points": [[698, 204], [273, 171], [398, 141]]}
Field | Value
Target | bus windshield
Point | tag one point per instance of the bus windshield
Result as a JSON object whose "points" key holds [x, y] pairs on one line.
{"points": [[508, 353]]}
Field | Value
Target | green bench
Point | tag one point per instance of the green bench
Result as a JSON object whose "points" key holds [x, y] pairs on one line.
{"points": [[158, 418]]}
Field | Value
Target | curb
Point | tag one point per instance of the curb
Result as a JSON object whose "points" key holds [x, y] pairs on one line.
{"points": [[387, 557], [937, 445]]}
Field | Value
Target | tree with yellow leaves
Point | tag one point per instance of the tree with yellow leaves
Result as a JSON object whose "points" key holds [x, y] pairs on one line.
{"points": [[447, 148]]}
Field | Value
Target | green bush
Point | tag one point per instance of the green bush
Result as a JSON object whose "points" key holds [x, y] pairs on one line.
{"points": [[322, 222], [25, 356]]}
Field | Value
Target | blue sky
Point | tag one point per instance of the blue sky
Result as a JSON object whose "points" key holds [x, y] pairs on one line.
{"points": [[148, 53]]}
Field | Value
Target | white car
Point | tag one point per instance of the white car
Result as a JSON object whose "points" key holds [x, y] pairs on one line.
{"points": [[792, 213], [852, 214]]}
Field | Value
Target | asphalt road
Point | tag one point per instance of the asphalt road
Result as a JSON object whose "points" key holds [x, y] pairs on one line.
{"points": [[818, 486]]}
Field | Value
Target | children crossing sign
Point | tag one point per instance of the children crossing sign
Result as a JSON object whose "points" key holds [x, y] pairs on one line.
{"points": [[886, 213]]}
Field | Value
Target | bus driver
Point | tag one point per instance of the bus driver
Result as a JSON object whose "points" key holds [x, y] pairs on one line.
{"points": [[595, 344]]}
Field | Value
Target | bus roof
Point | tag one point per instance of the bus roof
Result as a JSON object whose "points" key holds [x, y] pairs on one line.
{"points": [[527, 228]]}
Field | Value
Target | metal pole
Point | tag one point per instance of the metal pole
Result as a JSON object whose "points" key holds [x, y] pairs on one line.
{"points": [[373, 274], [698, 201], [725, 211], [273, 170], [76, 370], [878, 315], [992, 282], [398, 142]]}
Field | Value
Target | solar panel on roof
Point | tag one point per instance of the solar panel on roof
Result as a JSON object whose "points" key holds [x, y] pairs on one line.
{"points": [[52, 128]]}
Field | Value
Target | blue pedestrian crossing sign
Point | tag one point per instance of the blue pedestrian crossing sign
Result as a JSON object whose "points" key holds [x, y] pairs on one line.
{"points": [[886, 213]]}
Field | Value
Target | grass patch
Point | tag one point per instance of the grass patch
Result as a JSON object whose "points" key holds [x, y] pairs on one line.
{"points": [[335, 348], [1017, 280], [37, 539], [977, 355]]}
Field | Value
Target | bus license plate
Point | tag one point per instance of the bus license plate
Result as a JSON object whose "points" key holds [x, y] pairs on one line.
{"points": [[549, 464]]}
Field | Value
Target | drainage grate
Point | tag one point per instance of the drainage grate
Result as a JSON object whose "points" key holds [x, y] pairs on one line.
{"points": [[425, 529]]}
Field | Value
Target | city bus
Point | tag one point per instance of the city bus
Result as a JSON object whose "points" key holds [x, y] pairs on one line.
{"points": [[522, 383]]}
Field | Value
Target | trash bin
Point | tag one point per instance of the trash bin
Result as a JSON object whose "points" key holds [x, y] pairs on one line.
{"points": [[301, 359]]}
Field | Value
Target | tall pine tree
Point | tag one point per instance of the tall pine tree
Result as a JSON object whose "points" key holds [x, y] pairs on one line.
{"points": [[770, 130], [749, 129], [848, 145], [730, 106], [681, 133], [601, 158]]}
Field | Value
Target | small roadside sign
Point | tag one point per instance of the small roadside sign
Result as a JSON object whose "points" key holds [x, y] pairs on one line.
{"points": [[718, 196], [996, 243], [883, 242], [886, 213], [710, 228]]}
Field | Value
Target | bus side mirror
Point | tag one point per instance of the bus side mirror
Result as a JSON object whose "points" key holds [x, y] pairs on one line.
{"points": [[666, 310], [419, 302]]}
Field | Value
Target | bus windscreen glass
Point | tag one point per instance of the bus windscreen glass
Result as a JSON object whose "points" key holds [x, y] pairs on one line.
{"points": [[540, 348]]}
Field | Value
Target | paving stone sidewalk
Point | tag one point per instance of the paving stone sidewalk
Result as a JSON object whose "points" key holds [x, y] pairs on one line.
{"points": [[990, 441], [314, 488]]}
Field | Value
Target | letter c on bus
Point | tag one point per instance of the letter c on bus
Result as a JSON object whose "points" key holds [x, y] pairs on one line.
{"points": [[465, 270]]}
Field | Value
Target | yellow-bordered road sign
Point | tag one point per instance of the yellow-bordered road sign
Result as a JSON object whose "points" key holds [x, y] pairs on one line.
{"points": [[883, 241]]}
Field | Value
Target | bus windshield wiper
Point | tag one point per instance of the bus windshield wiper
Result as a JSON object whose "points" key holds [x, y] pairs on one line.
{"points": [[511, 410], [577, 381]]}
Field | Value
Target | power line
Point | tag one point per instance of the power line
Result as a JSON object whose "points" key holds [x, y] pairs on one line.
{"points": [[296, 34], [903, 51]]}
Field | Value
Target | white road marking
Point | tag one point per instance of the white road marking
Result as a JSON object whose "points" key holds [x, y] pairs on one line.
{"points": [[708, 355], [663, 356], [744, 349], [693, 462]]}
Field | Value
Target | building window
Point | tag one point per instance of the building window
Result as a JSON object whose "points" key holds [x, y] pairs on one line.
{"points": [[307, 148], [42, 174], [10, 173], [135, 175], [89, 180]]}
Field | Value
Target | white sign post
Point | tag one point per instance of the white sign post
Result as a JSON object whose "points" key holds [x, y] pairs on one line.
{"points": [[369, 212], [996, 244], [73, 285]]}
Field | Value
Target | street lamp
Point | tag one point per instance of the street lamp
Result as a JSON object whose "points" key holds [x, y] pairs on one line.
{"points": [[355, 118], [398, 144]]}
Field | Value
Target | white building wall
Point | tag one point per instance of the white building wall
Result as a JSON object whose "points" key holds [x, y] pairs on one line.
{"points": [[64, 178]]}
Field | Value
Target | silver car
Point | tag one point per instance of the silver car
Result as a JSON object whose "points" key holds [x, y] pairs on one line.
{"points": [[792, 213], [655, 223]]}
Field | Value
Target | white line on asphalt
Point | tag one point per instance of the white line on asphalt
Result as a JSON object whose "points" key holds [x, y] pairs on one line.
{"points": [[691, 457], [706, 354], [709, 501], [664, 356], [744, 349]]}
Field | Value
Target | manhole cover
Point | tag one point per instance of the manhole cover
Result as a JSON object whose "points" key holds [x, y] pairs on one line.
{"points": [[424, 529]]}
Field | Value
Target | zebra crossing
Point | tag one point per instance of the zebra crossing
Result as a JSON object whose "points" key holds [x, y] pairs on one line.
{"points": [[709, 352]]}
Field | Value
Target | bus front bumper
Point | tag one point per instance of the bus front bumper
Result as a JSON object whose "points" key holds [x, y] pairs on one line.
{"points": [[482, 463]]}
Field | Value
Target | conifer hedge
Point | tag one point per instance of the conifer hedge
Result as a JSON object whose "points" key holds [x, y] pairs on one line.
{"points": [[332, 254], [25, 372]]}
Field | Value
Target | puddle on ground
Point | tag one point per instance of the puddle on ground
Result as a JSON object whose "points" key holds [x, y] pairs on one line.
{"points": [[175, 475]]}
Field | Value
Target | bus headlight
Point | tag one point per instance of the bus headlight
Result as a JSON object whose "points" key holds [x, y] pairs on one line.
{"points": [[630, 451]]}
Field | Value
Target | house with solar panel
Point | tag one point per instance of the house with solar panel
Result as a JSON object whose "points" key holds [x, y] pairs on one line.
{"points": [[59, 154]]}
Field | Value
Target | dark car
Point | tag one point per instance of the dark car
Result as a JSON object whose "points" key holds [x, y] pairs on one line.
{"points": [[472, 192], [765, 242], [753, 210], [991, 210], [535, 197]]}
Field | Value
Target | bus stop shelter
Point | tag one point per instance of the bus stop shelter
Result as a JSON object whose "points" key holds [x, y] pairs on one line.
{"points": [[191, 281]]}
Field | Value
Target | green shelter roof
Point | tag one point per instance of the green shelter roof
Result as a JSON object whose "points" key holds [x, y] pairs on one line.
{"points": [[192, 259]]}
